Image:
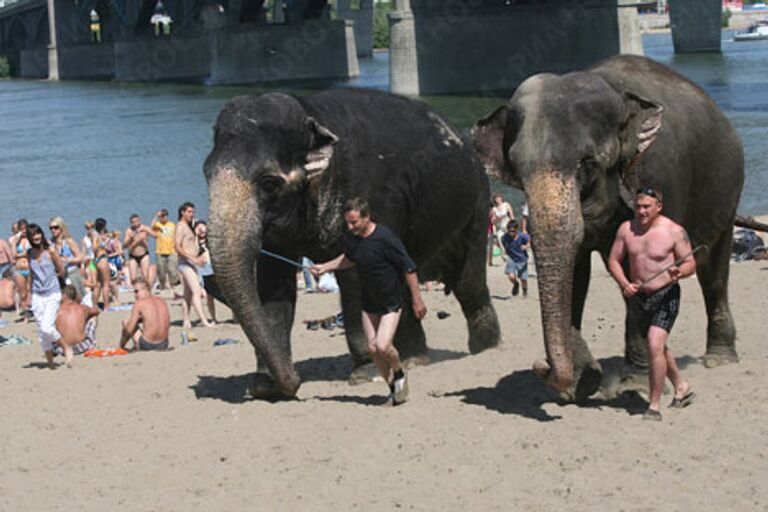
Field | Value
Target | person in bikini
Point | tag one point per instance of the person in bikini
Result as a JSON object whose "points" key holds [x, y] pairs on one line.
{"points": [[149, 322], [76, 324], [21, 245], [136, 236], [652, 242]]}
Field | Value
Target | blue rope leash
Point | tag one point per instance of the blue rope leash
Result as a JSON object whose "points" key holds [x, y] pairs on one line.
{"points": [[283, 259]]}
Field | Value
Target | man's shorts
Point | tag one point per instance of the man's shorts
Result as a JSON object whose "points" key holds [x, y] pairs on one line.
{"points": [[661, 307], [519, 268], [84, 346], [151, 345]]}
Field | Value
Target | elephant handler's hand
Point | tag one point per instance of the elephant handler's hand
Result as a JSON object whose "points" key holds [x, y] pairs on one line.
{"points": [[630, 290], [419, 308], [317, 270]]}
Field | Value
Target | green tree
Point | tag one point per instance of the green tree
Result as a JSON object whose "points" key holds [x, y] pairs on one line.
{"points": [[5, 67], [381, 24], [725, 19]]}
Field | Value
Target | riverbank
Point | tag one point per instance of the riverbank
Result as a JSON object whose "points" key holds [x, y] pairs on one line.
{"points": [[175, 431], [659, 23]]}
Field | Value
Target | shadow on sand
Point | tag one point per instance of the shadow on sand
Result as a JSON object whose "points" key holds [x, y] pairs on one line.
{"points": [[523, 393], [234, 388]]}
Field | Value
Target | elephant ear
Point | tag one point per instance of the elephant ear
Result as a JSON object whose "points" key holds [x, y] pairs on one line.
{"points": [[488, 139], [638, 133], [321, 141]]}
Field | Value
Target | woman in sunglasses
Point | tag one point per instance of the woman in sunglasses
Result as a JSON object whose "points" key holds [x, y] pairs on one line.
{"points": [[45, 267], [69, 252]]}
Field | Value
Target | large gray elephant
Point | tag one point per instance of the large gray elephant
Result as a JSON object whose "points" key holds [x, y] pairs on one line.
{"points": [[580, 145], [278, 175]]}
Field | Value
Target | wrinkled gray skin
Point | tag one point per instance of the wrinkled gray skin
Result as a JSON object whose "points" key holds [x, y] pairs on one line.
{"points": [[580, 145], [278, 175]]}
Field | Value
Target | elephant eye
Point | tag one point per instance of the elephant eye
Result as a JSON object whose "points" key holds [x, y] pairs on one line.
{"points": [[588, 171], [271, 184]]}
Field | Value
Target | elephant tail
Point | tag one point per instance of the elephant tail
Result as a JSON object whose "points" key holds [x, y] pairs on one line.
{"points": [[750, 223]]}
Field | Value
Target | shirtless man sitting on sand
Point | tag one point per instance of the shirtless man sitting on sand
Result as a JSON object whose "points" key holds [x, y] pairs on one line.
{"points": [[152, 313], [8, 296], [76, 324]]}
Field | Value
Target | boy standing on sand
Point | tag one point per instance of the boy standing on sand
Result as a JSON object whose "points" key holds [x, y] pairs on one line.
{"points": [[382, 264], [76, 324], [652, 242]]}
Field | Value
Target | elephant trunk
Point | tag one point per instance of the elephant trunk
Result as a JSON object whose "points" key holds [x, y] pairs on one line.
{"points": [[235, 243], [557, 229]]}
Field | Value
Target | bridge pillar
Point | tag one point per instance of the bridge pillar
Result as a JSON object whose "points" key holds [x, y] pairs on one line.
{"points": [[440, 47], [363, 18], [630, 39], [696, 25], [53, 46], [403, 57]]}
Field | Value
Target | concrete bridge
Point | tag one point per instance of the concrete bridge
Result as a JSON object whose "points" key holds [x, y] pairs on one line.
{"points": [[223, 41], [448, 46], [436, 46]]}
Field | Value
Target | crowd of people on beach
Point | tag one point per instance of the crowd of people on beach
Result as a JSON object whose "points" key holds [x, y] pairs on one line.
{"points": [[63, 285]]}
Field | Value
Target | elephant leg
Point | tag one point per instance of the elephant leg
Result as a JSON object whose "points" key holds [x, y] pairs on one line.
{"points": [[587, 373], [277, 292], [712, 271], [634, 375], [410, 340], [471, 291], [363, 369]]}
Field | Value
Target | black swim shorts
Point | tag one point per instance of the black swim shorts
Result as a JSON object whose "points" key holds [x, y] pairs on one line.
{"points": [[661, 307]]}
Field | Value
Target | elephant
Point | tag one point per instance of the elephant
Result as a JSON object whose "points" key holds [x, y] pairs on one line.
{"points": [[278, 175], [580, 145]]}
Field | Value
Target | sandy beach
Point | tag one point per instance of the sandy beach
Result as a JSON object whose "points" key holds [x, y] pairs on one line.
{"points": [[177, 431]]}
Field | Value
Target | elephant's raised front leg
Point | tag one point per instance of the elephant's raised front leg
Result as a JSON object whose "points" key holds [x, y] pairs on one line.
{"points": [[712, 271], [277, 291], [472, 293]]}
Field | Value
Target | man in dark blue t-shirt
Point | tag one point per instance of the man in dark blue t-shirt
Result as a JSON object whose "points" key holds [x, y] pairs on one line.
{"points": [[516, 246], [385, 269]]}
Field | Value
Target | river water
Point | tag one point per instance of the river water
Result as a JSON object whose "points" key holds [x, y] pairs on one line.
{"points": [[87, 149]]}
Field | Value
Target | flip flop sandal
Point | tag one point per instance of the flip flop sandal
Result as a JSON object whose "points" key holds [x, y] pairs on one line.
{"points": [[651, 415], [679, 403]]}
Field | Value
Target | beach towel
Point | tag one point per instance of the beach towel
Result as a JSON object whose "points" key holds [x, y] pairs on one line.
{"points": [[105, 352], [14, 340]]}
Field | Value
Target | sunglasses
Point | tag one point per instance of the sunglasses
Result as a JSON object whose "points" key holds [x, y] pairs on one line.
{"points": [[647, 191], [54, 227]]}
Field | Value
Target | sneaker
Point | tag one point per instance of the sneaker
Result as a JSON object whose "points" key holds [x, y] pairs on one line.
{"points": [[401, 390], [516, 288], [525, 292]]}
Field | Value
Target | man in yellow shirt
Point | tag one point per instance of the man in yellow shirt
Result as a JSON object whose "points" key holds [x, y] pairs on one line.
{"points": [[167, 273]]}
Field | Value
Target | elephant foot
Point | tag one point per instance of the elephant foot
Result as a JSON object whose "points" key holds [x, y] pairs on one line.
{"points": [[264, 387], [367, 372], [484, 332], [713, 359], [420, 360], [633, 380], [586, 380]]}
